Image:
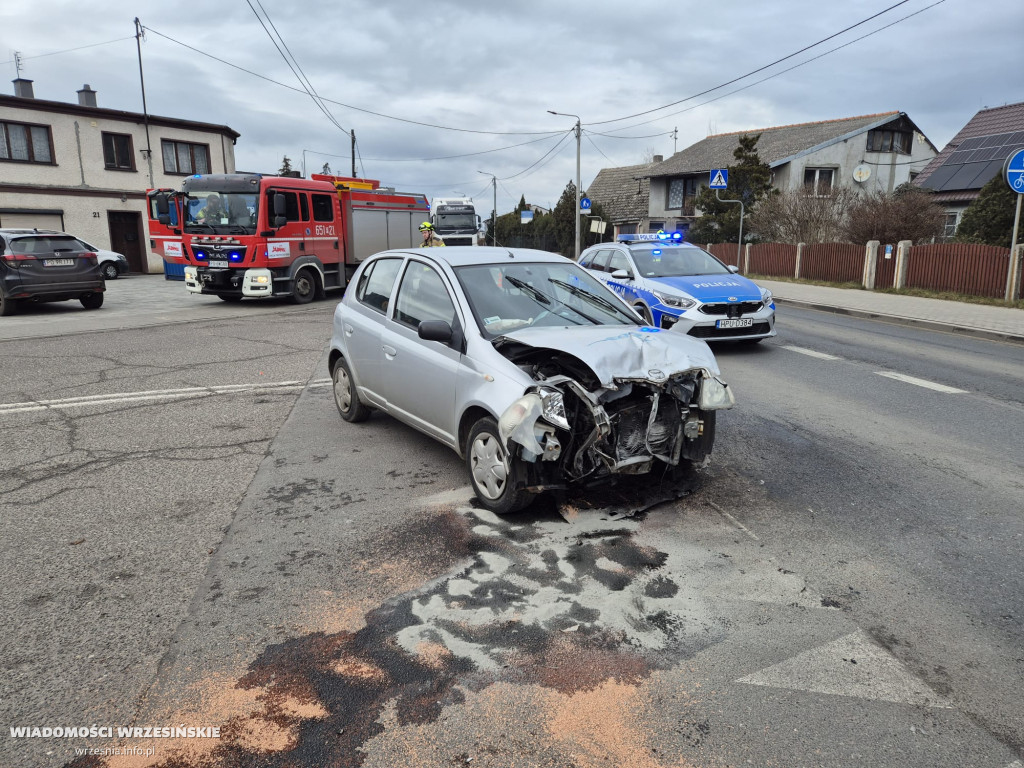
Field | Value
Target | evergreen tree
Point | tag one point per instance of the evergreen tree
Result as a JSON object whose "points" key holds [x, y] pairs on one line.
{"points": [[326, 170], [286, 166], [750, 180], [565, 221], [989, 218]]}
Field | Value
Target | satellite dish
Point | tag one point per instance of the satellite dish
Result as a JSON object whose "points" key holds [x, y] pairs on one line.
{"points": [[862, 173]]}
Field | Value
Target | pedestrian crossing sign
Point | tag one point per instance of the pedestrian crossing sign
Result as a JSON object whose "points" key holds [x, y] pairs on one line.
{"points": [[719, 178]]}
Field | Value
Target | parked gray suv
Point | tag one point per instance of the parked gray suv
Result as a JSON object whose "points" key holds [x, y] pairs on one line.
{"points": [[41, 266]]}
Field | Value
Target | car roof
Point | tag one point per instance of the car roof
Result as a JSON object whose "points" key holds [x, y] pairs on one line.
{"points": [[17, 231], [471, 255]]}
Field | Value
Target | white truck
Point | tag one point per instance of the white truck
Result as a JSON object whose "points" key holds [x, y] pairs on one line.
{"points": [[455, 220]]}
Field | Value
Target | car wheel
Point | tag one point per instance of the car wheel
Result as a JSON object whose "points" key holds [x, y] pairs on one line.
{"points": [[346, 397], [110, 271], [229, 297], [492, 471], [645, 313], [304, 288], [8, 306], [92, 300]]}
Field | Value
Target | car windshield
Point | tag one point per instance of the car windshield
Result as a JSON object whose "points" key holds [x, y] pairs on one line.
{"points": [[226, 213], [664, 260], [508, 297]]}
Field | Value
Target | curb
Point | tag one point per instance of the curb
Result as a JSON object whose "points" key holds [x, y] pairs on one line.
{"points": [[933, 325]]}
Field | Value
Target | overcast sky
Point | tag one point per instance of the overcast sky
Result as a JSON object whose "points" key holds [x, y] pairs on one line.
{"points": [[494, 70]]}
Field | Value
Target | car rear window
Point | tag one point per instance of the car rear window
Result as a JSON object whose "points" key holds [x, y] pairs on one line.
{"points": [[44, 244]]}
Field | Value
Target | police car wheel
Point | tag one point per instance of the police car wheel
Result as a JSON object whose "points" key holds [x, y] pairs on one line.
{"points": [[645, 313]]}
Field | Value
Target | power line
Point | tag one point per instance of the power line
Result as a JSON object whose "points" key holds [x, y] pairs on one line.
{"points": [[293, 64], [599, 149], [784, 71], [549, 154], [754, 72], [351, 106]]}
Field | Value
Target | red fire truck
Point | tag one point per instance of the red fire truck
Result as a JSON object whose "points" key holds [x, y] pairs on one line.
{"points": [[251, 235]]}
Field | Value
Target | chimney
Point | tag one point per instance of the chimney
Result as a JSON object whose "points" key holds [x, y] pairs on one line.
{"points": [[87, 96], [23, 88], [659, 158]]}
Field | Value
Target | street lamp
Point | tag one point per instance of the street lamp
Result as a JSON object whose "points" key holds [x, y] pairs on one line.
{"points": [[578, 135], [494, 211]]}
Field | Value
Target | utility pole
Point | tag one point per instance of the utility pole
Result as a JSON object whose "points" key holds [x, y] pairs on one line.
{"points": [[579, 134], [354, 174], [494, 210], [675, 136], [145, 111]]}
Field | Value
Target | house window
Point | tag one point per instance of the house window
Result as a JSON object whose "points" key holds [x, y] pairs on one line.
{"points": [[952, 219], [627, 229], [117, 152], [818, 181], [655, 226], [24, 143], [183, 158], [890, 141], [681, 193]]}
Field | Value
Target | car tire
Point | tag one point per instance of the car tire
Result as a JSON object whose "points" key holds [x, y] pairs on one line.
{"points": [[493, 473], [110, 271], [304, 286], [8, 306], [645, 313], [92, 300], [231, 298], [346, 397]]}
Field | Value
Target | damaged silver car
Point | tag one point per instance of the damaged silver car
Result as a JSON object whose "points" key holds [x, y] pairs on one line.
{"points": [[536, 373]]}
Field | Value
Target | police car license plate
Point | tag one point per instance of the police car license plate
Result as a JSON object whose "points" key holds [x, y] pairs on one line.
{"points": [[743, 322], [219, 264], [58, 262]]}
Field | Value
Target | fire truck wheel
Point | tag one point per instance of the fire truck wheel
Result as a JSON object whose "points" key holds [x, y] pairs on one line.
{"points": [[305, 286]]}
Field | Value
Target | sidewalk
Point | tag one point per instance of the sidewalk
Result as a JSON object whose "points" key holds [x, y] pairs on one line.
{"points": [[1001, 323]]}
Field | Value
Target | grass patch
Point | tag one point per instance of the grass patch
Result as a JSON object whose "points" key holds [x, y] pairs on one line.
{"points": [[922, 292], [952, 296], [849, 285]]}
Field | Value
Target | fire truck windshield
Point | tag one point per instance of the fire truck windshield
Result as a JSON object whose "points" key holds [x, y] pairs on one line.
{"points": [[462, 221], [226, 213]]}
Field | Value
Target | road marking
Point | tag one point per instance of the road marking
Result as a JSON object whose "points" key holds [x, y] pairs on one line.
{"points": [[810, 352], [733, 520], [922, 383], [159, 394]]}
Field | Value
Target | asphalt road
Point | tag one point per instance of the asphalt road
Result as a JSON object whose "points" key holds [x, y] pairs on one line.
{"points": [[205, 542]]}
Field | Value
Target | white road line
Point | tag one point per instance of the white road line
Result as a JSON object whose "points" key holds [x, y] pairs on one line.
{"points": [[922, 383], [810, 352], [153, 395], [733, 520]]}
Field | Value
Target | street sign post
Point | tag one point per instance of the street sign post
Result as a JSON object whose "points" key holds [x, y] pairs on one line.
{"points": [[1013, 172], [719, 178]]}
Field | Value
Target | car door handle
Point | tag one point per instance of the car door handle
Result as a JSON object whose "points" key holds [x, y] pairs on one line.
{"points": [[389, 351]]}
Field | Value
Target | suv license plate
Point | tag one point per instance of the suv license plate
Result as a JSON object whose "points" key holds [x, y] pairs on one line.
{"points": [[743, 322], [58, 262], [219, 264]]}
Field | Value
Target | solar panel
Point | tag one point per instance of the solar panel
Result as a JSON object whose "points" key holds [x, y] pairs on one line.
{"points": [[974, 143], [975, 161]]}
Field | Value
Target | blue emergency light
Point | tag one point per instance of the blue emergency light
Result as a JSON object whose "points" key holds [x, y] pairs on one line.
{"points": [[669, 237]]}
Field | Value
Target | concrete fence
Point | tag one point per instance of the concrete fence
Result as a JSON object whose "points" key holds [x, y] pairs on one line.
{"points": [[977, 270]]}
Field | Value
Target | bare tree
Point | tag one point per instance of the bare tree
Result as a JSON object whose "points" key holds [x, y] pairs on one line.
{"points": [[909, 213], [798, 216]]}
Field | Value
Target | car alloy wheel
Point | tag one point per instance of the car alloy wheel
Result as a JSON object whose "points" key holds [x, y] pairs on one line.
{"points": [[110, 272]]}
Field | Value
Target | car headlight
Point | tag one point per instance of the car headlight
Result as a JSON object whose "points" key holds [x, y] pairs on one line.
{"points": [[553, 407], [674, 301], [766, 296], [715, 395]]}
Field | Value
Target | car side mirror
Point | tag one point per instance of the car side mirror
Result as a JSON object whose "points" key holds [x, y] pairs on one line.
{"points": [[733, 268], [163, 206], [622, 274], [164, 219], [435, 330], [280, 221]]}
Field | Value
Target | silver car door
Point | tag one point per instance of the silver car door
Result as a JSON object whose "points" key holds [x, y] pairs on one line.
{"points": [[418, 377], [363, 323]]}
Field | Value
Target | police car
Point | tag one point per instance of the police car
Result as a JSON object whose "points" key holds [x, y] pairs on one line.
{"points": [[674, 284]]}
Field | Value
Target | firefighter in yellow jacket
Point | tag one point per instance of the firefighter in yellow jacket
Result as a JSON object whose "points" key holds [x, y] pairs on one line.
{"points": [[430, 238]]}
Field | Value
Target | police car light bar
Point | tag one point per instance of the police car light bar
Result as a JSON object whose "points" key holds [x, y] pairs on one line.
{"points": [[664, 237]]}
